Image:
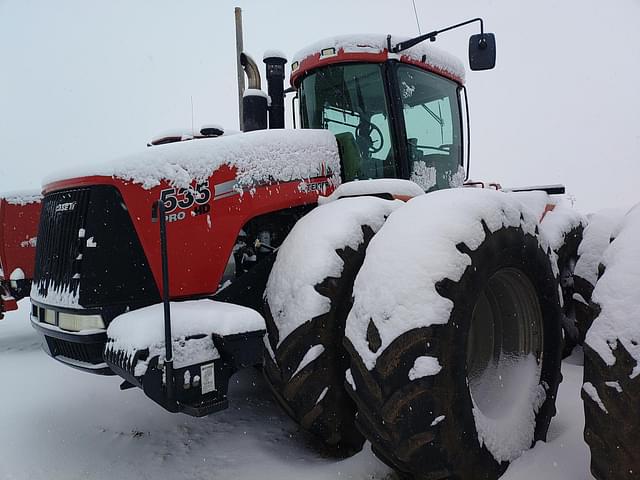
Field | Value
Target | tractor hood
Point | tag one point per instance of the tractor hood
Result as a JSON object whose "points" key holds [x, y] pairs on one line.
{"points": [[258, 158]]}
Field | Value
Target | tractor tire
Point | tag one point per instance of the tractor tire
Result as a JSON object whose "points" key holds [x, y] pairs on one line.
{"points": [[597, 236], [305, 365], [611, 389], [564, 226], [435, 392], [567, 257]]}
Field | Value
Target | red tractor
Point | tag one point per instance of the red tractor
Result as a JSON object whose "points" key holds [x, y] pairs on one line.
{"points": [[19, 215], [161, 267]]}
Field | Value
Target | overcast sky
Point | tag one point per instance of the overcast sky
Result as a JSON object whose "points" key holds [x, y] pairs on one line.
{"points": [[84, 81]]}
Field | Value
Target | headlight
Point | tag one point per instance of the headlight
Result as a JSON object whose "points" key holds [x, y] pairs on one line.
{"points": [[49, 316], [76, 323]]}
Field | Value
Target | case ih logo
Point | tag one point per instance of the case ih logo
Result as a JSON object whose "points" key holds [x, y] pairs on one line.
{"points": [[65, 207]]}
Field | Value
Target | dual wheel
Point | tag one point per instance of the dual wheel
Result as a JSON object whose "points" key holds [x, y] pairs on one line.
{"points": [[451, 350]]}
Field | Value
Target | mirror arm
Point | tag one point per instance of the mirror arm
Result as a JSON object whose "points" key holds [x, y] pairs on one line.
{"points": [[432, 36]]}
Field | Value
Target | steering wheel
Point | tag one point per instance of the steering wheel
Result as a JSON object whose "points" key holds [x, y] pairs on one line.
{"points": [[365, 136]]}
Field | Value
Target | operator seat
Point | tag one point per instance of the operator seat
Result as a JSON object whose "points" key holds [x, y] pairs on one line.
{"points": [[350, 155]]}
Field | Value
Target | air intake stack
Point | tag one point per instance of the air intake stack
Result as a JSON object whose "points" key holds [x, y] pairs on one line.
{"points": [[254, 101], [275, 62]]}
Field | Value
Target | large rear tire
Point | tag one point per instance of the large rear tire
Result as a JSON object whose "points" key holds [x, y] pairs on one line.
{"points": [[305, 365], [597, 236], [611, 390], [567, 258], [437, 401]]}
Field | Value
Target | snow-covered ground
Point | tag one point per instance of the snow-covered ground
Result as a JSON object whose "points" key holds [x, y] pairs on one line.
{"points": [[58, 423]]}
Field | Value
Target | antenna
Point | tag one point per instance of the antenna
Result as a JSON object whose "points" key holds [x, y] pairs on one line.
{"points": [[415, 12], [193, 131]]}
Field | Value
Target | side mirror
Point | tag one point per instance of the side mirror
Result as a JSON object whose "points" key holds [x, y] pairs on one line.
{"points": [[482, 51]]}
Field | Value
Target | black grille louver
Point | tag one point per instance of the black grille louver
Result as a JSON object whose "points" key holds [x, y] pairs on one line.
{"points": [[91, 251], [83, 352], [63, 215]]}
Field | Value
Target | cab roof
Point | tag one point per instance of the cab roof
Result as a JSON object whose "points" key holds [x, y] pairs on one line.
{"points": [[373, 48]]}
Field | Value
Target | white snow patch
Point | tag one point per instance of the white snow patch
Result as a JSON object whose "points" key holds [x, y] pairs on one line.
{"points": [[558, 222], [17, 274], [392, 186], [267, 346], [322, 395], [255, 92], [506, 401], [144, 328], [349, 378], [618, 294], [308, 256], [424, 366], [595, 240], [56, 295], [456, 180], [437, 420], [536, 201], [614, 385], [312, 354], [579, 298], [424, 175], [29, 243], [259, 157], [377, 43], [273, 53], [395, 287], [590, 390], [21, 197]]}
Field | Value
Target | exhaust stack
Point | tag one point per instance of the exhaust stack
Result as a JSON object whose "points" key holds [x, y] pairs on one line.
{"points": [[275, 62]]}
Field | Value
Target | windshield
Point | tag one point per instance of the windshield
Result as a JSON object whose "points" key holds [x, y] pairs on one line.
{"points": [[349, 100], [432, 122]]}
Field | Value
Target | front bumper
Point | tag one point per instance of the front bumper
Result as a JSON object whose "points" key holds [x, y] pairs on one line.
{"points": [[80, 350]]}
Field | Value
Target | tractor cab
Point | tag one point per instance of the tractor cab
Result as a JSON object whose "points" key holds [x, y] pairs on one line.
{"points": [[397, 111]]}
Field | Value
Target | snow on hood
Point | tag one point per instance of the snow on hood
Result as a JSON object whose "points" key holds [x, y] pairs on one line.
{"points": [[618, 294], [21, 197], [377, 43], [261, 156]]}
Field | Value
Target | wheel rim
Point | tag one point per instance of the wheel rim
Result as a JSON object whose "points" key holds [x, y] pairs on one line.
{"points": [[505, 342]]}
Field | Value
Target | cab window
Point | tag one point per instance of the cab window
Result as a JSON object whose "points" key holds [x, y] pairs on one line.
{"points": [[432, 122], [350, 101]]}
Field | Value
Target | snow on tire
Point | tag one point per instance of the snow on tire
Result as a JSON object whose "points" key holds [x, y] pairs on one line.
{"points": [[563, 226], [611, 390], [596, 238], [308, 297], [455, 336]]}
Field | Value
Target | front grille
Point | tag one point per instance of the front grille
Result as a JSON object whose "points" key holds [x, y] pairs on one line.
{"points": [[59, 243], [83, 352], [89, 254]]}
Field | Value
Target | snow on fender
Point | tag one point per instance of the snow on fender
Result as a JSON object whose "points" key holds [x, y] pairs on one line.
{"points": [[308, 296], [611, 390], [454, 335]]}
